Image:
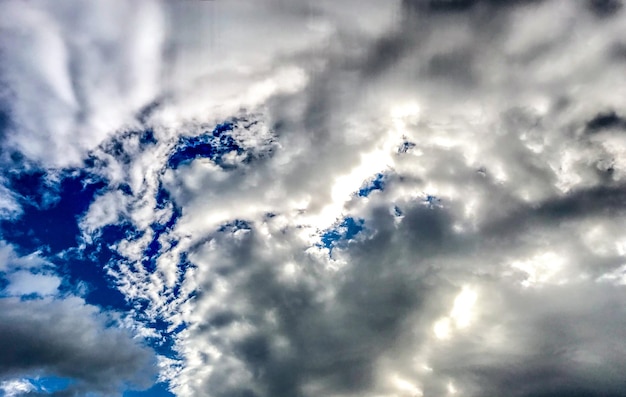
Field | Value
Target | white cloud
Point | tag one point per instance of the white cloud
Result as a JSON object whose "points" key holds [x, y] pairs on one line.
{"points": [[9, 207], [77, 73], [16, 387], [11, 260], [26, 283]]}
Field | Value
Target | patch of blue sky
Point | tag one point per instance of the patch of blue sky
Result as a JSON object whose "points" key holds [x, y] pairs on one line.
{"points": [[377, 183], [49, 384], [153, 249], [46, 222], [163, 197], [213, 145], [397, 211], [53, 203], [51, 227], [147, 138], [119, 146], [160, 389], [183, 264], [53, 385], [405, 147], [4, 282], [165, 343], [151, 253], [432, 201], [237, 224], [341, 233], [35, 188], [88, 267], [166, 331]]}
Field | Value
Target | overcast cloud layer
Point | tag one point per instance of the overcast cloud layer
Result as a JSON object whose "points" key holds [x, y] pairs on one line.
{"points": [[274, 198]]}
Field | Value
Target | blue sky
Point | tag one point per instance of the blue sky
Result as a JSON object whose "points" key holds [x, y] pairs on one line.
{"points": [[280, 199]]}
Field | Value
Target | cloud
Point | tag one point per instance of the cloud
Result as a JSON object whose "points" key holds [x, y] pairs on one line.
{"points": [[16, 387], [76, 74], [26, 283], [499, 138], [10, 260], [9, 208], [487, 260], [67, 338]]}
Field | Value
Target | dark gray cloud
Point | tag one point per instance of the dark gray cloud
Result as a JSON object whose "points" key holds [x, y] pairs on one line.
{"points": [[69, 339], [606, 120], [605, 8], [561, 340], [292, 340]]}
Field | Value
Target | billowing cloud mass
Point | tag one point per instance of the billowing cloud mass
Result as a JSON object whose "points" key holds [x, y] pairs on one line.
{"points": [[297, 199], [66, 338]]}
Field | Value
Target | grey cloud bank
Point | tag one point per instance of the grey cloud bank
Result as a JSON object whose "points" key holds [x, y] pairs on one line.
{"points": [[68, 339]]}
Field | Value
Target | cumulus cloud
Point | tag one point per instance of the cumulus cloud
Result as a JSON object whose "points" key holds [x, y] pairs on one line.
{"points": [[46, 332], [487, 260], [16, 387], [26, 283], [67, 338]]}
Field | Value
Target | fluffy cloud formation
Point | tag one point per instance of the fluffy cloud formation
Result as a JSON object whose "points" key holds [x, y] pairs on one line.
{"points": [[415, 198], [16, 387], [45, 332], [68, 339], [26, 283]]}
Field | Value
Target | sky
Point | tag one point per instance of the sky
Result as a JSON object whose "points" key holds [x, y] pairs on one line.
{"points": [[297, 198]]}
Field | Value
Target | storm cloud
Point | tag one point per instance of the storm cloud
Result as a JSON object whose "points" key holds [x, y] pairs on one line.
{"points": [[68, 339]]}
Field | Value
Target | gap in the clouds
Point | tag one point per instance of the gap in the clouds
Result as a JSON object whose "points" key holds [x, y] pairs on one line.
{"points": [[124, 147], [163, 197], [397, 211], [52, 206], [222, 141], [36, 188], [4, 282], [605, 121], [341, 233], [160, 389], [165, 344], [50, 210], [50, 384], [213, 145], [377, 183], [183, 265], [153, 249], [237, 224], [405, 147], [432, 201], [151, 254], [89, 267]]}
